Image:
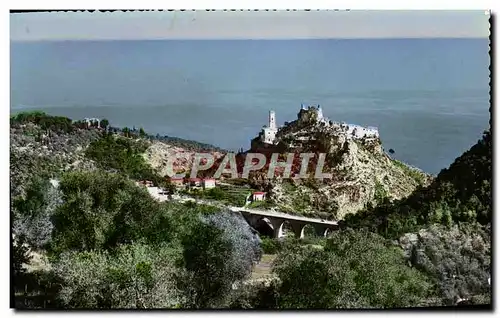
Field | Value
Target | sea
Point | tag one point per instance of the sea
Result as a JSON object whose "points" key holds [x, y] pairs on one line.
{"points": [[429, 98]]}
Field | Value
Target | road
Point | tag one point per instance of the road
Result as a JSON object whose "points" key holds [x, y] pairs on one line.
{"points": [[161, 197], [282, 215]]}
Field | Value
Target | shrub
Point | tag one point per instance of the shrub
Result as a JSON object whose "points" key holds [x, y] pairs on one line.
{"points": [[355, 270], [269, 246], [46, 122], [461, 193], [33, 213], [218, 252], [125, 156], [134, 276], [101, 210], [457, 260]]}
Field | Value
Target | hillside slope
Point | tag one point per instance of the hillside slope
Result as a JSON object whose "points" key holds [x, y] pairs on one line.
{"points": [[362, 173], [460, 193]]}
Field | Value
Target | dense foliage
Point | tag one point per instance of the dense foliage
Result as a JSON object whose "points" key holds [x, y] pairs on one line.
{"points": [[46, 122], [461, 193], [355, 270], [35, 152], [125, 156], [113, 246], [108, 244], [235, 198], [457, 260], [102, 210], [134, 276], [218, 252], [32, 214], [174, 141]]}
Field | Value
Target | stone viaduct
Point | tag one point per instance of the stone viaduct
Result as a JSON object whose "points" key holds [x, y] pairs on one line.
{"points": [[276, 221]]}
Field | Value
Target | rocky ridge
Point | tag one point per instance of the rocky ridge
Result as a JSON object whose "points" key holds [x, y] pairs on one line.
{"points": [[362, 173]]}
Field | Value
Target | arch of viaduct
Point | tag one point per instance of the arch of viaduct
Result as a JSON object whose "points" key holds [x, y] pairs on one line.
{"points": [[276, 223]]}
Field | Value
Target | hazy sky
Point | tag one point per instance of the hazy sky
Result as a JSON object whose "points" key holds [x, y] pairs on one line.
{"points": [[238, 24]]}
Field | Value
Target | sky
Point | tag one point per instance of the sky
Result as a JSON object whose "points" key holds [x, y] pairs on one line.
{"points": [[247, 25]]}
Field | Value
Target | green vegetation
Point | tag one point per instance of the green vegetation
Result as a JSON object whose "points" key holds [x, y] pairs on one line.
{"points": [[461, 193], [300, 202], [235, 198], [113, 246], [46, 122], [134, 276], [457, 260], [273, 245], [418, 176], [107, 244], [238, 182], [354, 270], [269, 246], [265, 204], [222, 244], [380, 192], [123, 155]]}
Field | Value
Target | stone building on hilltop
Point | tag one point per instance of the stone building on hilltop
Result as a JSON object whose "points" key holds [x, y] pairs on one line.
{"points": [[307, 116], [268, 133]]}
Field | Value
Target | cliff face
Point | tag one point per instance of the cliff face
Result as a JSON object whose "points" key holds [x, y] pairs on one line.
{"points": [[158, 153], [362, 173]]}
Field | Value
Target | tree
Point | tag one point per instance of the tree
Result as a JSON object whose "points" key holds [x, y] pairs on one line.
{"points": [[104, 123], [141, 132], [102, 210], [457, 260], [218, 252], [126, 132], [20, 256], [135, 276], [33, 213], [355, 270], [460, 193]]}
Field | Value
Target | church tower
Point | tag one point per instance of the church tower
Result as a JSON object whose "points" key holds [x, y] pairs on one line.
{"points": [[272, 119], [268, 134]]}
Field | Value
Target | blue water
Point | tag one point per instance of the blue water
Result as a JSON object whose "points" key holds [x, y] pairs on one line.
{"points": [[429, 97]]}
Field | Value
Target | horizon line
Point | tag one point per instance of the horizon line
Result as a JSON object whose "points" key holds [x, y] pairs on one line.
{"points": [[257, 39]]}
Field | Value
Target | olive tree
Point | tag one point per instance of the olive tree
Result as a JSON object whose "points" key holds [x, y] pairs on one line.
{"points": [[356, 269], [457, 259], [219, 251], [32, 217], [134, 276]]}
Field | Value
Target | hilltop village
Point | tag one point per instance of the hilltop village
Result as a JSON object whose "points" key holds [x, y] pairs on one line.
{"points": [[315, 113], [308, 117], [362, 172]]}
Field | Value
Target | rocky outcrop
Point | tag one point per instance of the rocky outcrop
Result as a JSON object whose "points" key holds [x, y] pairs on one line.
{"points": [[362, 173], [158, 154]]}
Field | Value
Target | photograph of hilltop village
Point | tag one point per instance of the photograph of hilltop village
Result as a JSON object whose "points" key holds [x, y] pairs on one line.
{"points": [[112, 216]]}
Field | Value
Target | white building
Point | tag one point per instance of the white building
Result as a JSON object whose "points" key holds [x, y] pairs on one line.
{"points": [[208, 183], [357, 132], [90, 121], [268, 135], [258, 196]]}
